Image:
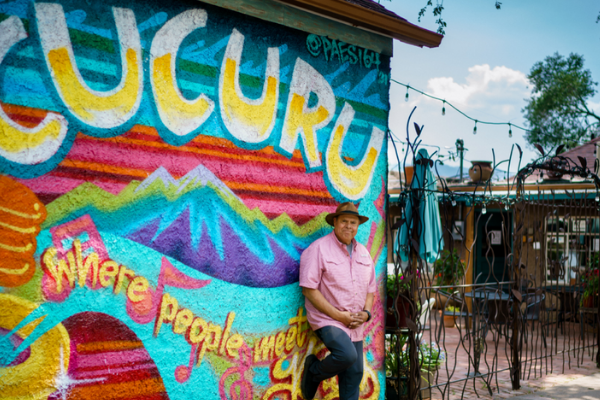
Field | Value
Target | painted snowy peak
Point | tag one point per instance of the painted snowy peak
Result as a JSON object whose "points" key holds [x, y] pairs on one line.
{"points": [[198, 176], [198, 221]]}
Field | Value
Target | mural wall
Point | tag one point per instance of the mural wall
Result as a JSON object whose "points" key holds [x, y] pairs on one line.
{"points": [[162, 168]]}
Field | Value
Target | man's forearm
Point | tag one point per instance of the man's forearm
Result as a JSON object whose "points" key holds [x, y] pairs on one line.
{"points": [[369, 302], [320, 302]]}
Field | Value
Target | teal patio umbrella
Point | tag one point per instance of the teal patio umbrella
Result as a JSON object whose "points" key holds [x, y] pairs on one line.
{"points": [[425, 202]]}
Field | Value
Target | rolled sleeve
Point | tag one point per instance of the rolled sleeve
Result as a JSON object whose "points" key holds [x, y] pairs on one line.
{"points": [[310, 268]]}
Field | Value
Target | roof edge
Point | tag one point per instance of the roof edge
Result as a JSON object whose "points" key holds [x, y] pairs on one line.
{"points": [[369, 20]]}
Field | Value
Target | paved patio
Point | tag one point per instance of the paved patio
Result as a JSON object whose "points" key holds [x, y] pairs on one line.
{"points": [[541, 374]]}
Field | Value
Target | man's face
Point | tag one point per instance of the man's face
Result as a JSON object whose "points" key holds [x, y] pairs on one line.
{"points": [[345, 227]]}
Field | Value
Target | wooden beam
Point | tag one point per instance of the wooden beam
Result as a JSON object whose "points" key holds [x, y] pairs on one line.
{"points": [[282, 14], [370, 20]]}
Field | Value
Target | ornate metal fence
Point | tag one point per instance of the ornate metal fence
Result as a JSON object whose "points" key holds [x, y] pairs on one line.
{"points": [[515, 288]]}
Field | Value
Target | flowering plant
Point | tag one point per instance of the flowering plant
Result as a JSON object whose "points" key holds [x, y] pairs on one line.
{"points": [[394, 281], [448, 269], [431, 357], [590, 280]]}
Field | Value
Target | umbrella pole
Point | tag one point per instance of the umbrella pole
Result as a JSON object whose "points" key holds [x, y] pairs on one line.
{"points": [[414, 367]]}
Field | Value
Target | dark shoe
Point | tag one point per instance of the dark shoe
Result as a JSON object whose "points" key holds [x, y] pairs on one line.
{"points": [[308, 387]]}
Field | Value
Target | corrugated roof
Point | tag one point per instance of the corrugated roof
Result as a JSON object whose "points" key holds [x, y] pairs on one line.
{"points": [[586, 151], [372, 5]]}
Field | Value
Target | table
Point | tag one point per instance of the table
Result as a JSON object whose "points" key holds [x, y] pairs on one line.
{"points": [[480, 298], [568, 297]]}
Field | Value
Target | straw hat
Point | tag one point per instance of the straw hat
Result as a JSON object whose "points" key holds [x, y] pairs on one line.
{"points": [[346, 208]]}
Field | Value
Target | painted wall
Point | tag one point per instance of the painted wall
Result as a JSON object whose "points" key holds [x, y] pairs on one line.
{"points": [[162, 169]]}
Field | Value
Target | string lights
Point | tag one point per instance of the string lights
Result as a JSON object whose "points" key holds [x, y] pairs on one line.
{"points": [[444, 102]]}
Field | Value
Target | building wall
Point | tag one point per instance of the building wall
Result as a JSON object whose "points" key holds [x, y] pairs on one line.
{"points": [[163, 166]]}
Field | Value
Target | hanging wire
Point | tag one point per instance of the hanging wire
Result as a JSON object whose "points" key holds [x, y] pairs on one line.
{"points": [[510, 125]]}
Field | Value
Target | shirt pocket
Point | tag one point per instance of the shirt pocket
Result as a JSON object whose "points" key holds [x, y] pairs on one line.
{"points": [[334, 277], [364, 271]]}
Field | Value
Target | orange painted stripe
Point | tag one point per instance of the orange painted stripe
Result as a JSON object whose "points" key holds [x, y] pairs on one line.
{"points": [[120, 390], [214, 153], [116, 345], [24, 111], [257, 187], [93, 166], [147, 130], [105, 168], [203, 139]]}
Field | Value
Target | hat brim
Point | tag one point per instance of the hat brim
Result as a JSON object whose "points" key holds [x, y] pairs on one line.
{"points": [[329, 218]]}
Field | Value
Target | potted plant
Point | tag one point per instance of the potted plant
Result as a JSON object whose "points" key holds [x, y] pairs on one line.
{"points": [[591, 282], [450, 316], [431, 358], [396, 367], [448, 270], [394, 284]]}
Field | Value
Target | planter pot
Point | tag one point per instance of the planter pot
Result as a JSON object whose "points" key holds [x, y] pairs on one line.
{"points": [[481, 171], [403, 308], [555, 175], [440, 301], [590, 302], [427, 379], [449, 321], [396, 389]]}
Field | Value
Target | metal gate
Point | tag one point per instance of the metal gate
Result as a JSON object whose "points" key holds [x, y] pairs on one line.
{"points": [[522, 297]]}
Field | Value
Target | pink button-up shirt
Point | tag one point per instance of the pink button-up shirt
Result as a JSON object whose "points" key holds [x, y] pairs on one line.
{"points": [[344, 282]]}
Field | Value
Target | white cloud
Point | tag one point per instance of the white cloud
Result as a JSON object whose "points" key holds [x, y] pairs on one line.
{"points": [[500, 90]]}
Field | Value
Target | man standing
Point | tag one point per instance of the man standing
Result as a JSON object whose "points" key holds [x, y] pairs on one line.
{"points": [[337, 277]]}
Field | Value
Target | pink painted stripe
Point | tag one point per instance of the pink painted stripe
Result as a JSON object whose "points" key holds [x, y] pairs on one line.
{"points": [[51, 184], [113, 370], [182, 163], [280, 207], [112, 358]]}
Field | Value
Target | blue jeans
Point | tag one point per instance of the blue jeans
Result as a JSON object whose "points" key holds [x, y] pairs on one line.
{"points": [[345, 361]]}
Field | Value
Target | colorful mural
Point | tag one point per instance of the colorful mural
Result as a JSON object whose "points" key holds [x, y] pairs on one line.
{"points": [[162, 168]]}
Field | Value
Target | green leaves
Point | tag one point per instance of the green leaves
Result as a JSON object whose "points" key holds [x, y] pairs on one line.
{"points": [[557, 112]]}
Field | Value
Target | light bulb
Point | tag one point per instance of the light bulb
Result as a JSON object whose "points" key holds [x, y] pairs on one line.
{"points": [[597, 198], [484, 210], [443, 110], [475, 129], [509, 130], [453, 202]]}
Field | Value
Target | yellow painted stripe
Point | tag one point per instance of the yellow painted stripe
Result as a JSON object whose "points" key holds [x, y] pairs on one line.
{"points": [[17, 229], [15, 248], [15, 271], [20, 214]]}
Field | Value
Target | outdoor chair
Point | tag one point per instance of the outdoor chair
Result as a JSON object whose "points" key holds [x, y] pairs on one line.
{"points": [[464, 313], [533, 307], [425, 311], [498, 315]]}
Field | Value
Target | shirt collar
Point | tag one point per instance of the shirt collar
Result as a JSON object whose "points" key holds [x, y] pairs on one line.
{"points": [[340, 244]]}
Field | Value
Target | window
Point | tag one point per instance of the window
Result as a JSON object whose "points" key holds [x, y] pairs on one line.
{"points": [[571, 244]]}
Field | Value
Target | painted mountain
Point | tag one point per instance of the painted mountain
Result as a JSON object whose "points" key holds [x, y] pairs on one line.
{"points": [[198, 221]]}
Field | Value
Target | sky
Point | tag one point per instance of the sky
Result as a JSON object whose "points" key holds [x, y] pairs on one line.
{"points": [[481, 68]]}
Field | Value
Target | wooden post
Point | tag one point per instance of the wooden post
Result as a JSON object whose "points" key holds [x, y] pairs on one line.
{"points": [[470, 259]]}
